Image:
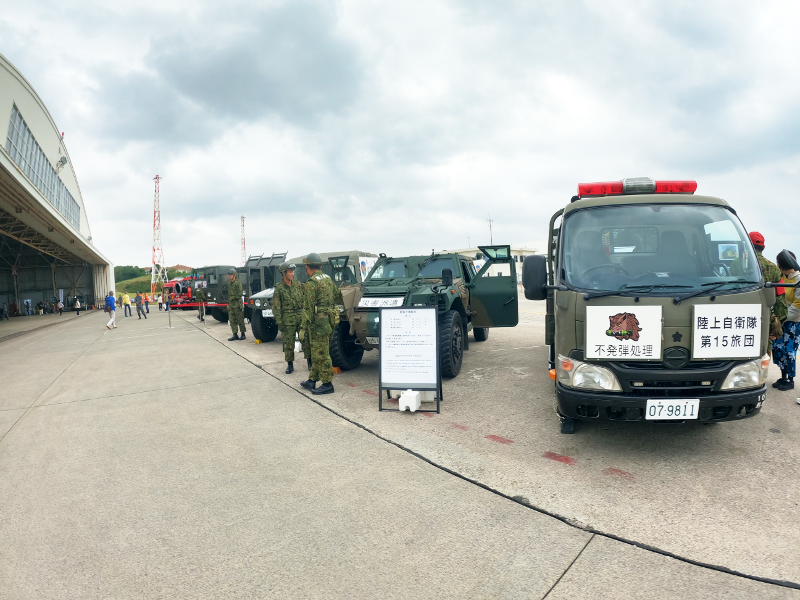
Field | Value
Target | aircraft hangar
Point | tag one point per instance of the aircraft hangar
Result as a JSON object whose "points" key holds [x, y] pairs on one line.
{"points": [[46, 248]]}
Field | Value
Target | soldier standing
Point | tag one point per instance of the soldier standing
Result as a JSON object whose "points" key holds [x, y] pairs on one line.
{"points": [[320, 317], [200, 298], [287, 308], [235, 311]]}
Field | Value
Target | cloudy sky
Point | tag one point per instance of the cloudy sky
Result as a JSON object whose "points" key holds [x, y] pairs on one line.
{"points": [[399, 127]]}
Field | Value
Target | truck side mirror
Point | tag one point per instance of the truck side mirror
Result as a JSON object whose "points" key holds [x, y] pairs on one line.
{"points": [[534, 277], [447, 277]]}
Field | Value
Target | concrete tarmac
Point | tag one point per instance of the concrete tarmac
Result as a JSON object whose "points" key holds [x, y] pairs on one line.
{"points": [[147, 462]]}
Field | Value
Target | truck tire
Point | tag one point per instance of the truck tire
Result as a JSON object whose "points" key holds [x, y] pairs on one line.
{"points": [[481, 333], [220, 316], [451, 343], [264, 330], [345, 353]]}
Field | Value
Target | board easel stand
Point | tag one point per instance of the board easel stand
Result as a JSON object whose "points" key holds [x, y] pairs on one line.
{"points": [[429, 386]]}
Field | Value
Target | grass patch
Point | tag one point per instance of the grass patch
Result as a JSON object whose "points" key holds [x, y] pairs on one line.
{"points": [[137, 284]]}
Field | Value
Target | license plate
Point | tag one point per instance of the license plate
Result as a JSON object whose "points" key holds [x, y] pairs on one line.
{"points": [[666, 410], [267, 312], [372, 340]]}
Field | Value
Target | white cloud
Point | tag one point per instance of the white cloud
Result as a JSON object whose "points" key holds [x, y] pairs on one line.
{"points": [[399, 127]]}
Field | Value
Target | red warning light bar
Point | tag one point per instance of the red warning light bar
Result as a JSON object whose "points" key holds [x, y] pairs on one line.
{"points": [[639, 185]]}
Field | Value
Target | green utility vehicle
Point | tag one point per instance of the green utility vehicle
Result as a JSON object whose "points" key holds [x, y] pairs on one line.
{"points": [[656, 306], [216, 288], [259, 273], [342, 267], [466, 300]]}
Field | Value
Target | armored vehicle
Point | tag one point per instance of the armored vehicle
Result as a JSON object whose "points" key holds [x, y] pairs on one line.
{"points": [[656, 306], [343, 267], [466, 299]]}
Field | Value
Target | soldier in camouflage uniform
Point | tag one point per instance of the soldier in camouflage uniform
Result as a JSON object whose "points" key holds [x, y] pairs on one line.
{"points": [[200, 297], [320, 318], [287, 308], [235, 311]]}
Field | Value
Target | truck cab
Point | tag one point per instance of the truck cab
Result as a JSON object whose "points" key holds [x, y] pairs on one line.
{"points": [[656, 306], [466, 300]]}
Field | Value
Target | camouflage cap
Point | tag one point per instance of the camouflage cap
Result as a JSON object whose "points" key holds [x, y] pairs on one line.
{"points": [[231, 271], [313, 259], [287, 267]]}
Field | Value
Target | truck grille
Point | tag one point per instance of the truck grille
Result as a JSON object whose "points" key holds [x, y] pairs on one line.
{"points": [[654, 380]]}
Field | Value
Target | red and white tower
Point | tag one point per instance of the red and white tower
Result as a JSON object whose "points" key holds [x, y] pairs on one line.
{"points": [[159, 272], [244, 250]]}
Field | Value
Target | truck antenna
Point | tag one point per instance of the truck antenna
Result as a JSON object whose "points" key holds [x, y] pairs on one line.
{"points": [[491, 239]]}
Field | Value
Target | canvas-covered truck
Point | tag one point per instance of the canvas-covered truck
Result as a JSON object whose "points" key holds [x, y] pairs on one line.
{"points": [[343, 267], [214, 279], [466, 300], [656, 306]]}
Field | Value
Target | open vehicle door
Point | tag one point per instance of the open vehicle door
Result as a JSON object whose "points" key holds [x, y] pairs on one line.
{"points": [[340, 272], [494, 300]]}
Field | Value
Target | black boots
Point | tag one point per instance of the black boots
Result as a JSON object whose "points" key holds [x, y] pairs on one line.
{"points": [[308, 384], [787, 385], [235, 337], [289, 368], [241, 337], [781, 381], [308, 360], [325, 388]]}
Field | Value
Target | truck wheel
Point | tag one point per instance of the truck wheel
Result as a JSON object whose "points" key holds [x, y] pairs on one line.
{"points": [[264, 330], [345, 353], [451, 343], [219, 315], [481, 333]]}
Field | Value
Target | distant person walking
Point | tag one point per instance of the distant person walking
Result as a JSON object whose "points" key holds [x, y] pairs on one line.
{"points": [[235, 309], [126, 301], [60, 307], [147, 303], [139, 309], [158, 299], [784, 348], [111, 308], [78, 306]]}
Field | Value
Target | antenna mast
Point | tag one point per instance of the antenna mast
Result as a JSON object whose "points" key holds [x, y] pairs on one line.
{"points": [[159, 273], [244, 250], [491, 239]]}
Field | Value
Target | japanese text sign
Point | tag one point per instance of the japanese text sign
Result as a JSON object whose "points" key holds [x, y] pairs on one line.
{"points": [[623, 332], [726, 331]]}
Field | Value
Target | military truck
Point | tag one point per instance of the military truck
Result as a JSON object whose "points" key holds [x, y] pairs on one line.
{"points": [[215, 278], [466, 299], [656, 306], [343, 267]]}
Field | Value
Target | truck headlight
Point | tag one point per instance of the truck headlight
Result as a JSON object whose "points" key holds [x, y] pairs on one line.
{"points": [[258, 302], [577, 374], [747, 375]]}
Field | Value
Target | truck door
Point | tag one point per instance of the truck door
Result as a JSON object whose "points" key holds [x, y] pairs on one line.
{"points": [[340, 272], [493, 292]]}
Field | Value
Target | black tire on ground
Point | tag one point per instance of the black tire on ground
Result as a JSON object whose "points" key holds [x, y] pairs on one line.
{"points": [[265, 330], [345, 353], [451, 343], [481, 333], [219, 315]]}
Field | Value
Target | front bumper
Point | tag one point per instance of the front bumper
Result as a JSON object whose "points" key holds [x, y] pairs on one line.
{"points": [[606, 406]]}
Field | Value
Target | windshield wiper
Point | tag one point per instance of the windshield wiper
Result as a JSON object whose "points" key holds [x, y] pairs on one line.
{"points": [[632, 288], [710, 287]]}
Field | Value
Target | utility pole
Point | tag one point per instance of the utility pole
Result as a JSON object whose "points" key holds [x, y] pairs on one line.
{"points": [[159, 272], [244, 250], [469, 241], [491, 239]]}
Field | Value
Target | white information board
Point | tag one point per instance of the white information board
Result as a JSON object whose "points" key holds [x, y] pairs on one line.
{"points": [[365, 264], [631, 332], [409, 359], [726, 331]]}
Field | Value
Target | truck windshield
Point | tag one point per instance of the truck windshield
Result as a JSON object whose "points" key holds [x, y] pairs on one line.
{"points": [[682, 245], [434, 268], [389, 269]]}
